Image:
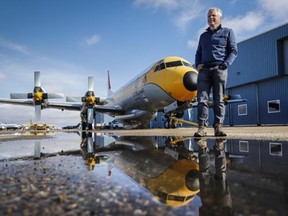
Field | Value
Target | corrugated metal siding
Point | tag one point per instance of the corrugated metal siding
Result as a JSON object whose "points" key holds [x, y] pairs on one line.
{"points": [[247, 92], [257, 58], [273, 90]]}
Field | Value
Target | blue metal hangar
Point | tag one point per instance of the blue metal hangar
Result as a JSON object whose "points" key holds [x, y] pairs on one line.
{"points": [[260, 75]]}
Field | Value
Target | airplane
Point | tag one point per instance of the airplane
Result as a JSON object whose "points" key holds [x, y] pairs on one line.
{"points": [[4, 126], [169, 86], [172, 81], [39, 97]]}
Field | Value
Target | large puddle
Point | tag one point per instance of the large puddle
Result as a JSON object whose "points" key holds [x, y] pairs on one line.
{"points": [[156, 175]]}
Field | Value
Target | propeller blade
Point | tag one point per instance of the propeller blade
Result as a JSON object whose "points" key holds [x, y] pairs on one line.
{"points": [[37, 113], [55, 95], [73, 99], [90, 83], [19, 96], [37, 80]]}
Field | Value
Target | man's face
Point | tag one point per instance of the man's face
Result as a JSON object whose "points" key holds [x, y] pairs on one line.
{"points": [[214, 20]]}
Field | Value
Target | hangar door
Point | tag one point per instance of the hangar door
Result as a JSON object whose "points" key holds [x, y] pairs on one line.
{"points": [[285, 48]]}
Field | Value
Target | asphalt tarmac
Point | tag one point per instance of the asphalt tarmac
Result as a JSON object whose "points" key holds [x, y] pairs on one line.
{"points": [[234, 132]]}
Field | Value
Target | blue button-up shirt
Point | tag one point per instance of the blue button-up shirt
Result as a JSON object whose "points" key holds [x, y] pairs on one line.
{"points": [[216, 47]]}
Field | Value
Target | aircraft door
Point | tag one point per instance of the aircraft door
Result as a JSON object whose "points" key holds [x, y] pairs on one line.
{"points": [[139, 94]]}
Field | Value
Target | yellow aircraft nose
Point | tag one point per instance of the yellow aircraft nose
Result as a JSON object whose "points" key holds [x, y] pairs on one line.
{"points": [[187, 89]]}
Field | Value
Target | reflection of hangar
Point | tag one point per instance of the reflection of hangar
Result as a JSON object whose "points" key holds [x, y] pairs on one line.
{"points": [[259, 156], [260, 75]]}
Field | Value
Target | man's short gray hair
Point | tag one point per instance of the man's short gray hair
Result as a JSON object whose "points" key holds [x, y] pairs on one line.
{"points": [[218, 10]]}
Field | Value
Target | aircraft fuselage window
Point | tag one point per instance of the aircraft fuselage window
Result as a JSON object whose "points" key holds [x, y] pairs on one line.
{"points": [[174, 64], [159, 67]]}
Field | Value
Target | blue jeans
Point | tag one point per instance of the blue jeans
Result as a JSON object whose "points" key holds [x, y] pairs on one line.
{"points": [[208, 80]]}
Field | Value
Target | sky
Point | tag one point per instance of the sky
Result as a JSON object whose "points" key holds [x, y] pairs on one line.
{"points": [[69, 40]]}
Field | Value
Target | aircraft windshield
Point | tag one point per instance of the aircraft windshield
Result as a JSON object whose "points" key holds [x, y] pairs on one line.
{"points": [[159, 67], [163, 65], [174, 64]]}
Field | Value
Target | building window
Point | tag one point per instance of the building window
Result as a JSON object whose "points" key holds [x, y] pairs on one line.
{"points": [[242, 109], [243, 146], [273, 106], [275, 149]]}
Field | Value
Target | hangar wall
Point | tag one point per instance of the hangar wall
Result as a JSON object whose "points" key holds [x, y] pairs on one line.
{"points": [[260, 75], [261, 57]]}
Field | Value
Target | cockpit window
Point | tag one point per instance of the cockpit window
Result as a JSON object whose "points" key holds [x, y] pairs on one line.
{"points": [[174, 64], [187, 64], [159, 67]]}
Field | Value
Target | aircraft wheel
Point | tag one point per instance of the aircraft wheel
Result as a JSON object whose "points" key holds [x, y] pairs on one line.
{"points": [[173, 124], [90, 126], [167, 124], [83, 125]]}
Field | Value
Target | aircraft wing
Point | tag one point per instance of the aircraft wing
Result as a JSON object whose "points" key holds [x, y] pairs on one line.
{"points": [[78, 107], [234, 101], [17, 102], [228, 99], [65, 106]]}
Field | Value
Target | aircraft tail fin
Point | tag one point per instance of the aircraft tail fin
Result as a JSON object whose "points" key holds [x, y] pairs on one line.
{"points": [[109, 92]]}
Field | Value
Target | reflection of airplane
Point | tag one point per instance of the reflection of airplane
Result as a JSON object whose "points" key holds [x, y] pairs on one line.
{"points": [[174, 182], [39, 97]]}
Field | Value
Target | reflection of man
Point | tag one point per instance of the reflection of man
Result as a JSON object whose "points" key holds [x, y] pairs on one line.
{"points": [[214, 189]]}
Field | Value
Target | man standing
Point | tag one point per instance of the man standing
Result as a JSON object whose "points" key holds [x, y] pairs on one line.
{"points": [[217, 49]]}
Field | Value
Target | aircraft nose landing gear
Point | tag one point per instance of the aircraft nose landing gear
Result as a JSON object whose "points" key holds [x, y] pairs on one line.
{"points": [[171, 120]]}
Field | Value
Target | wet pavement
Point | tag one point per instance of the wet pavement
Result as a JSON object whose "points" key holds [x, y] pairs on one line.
{"points": [[100, 174]]}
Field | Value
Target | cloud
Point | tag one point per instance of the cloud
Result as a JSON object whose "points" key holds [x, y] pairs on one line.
{"points": [[275, 9], [13, 46], [156, 4], [189, 11], [2, 76], [92, 40], [245, 26], [184, 11]]}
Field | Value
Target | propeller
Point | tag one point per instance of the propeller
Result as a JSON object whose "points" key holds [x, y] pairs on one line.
{"points": [[89, 97], [89, 101], [39, 96]]}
